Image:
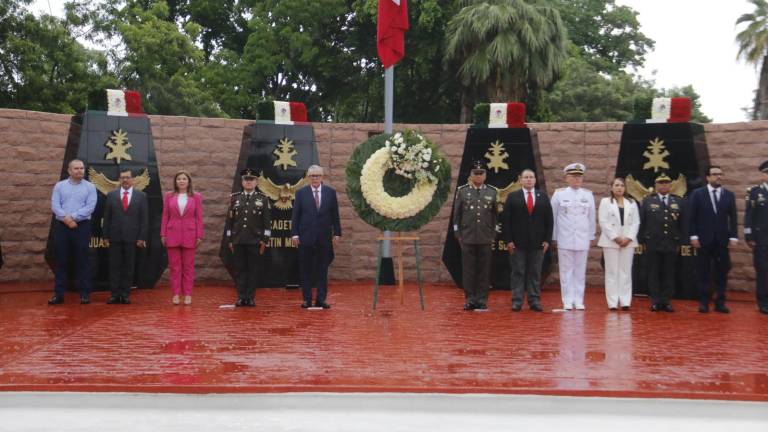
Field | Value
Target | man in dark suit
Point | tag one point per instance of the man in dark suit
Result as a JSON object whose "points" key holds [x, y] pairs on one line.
{"points": [[126, 221], [663, 227], [315, 229], [712, 228], [756, 235], [527, 221]]}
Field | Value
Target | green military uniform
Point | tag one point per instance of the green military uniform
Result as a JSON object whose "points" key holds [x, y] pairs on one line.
{"points": [[756, 232], [663, 229], [474, 225], [247, 225]]}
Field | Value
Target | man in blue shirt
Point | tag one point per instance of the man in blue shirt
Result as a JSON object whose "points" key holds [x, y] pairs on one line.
{"points": [[72, 203]]}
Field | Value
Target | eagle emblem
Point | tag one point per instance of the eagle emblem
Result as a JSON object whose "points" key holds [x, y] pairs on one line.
{"points": [[636, 190], [105, 185], [282, 195], [501, 195]]}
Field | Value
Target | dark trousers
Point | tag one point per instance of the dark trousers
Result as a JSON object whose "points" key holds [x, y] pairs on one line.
{"points": [[247, 265], [760, 260], [313, 270], [712, 263], [525, 277], [476, 272], [72, 244], [661, 275], [122, 262]]}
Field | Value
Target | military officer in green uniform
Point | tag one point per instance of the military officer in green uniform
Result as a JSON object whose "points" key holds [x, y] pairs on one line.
{"points": [[474, 225], [663, 228], [248, 230], [756, 233]]}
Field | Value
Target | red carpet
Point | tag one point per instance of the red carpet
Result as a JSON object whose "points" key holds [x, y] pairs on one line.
{"points": [[153, 346]]}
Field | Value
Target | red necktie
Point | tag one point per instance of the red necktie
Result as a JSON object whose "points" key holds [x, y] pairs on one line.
{"points": [[529, 203], [317, 199], [125, 200]]}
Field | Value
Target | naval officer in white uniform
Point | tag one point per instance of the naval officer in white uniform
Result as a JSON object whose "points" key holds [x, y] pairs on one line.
{"points": [[573, 209]]}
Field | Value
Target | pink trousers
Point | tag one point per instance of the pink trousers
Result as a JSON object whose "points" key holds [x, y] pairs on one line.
{"points": [[181, 263]]}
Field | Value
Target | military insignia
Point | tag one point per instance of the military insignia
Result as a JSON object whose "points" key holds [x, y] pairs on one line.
{"points": [[674, 206], [656, 154], [760, 198], [118, 145], [285, 152], [655, 206], [496, 155], [282, 195], [259, 203], [105, 185]]}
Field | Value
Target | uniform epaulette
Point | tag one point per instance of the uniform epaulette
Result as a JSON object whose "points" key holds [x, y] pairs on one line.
{"points": [[463, 186], [492, 187], [749, 189], [236, 193]]}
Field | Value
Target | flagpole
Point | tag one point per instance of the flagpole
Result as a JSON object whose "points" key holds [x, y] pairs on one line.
{"points": [[389, 98]]}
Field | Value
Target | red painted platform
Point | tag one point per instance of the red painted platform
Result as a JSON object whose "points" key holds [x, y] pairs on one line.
{"points": [[153, 346]]}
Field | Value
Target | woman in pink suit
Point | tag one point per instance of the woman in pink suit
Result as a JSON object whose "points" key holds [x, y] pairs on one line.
{"points": [[181, 231]]}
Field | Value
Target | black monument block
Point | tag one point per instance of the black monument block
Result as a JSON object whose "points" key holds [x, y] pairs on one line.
{"points": [[506, 152], [647, 150], [107, 143], [281, 154]]}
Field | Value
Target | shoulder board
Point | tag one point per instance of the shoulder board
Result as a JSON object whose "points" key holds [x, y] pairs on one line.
{"points": [[236, 193], [492, 187], [749, 189], [463, 186]]}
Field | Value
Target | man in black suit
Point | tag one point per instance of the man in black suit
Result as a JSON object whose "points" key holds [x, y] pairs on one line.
{"points": [[527, 221], [663, 227], [315, 229], [126, 221], [756, 235], [713, 231]]}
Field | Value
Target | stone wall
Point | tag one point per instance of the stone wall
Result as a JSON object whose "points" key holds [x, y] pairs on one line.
{"points": [[32, 148]]}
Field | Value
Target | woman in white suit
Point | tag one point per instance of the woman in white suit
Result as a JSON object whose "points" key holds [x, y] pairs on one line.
{"points": [[619, 221]]}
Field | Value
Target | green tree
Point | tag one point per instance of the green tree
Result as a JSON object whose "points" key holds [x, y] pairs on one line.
{"points": [[753, 48], [506, 48], [608, 36], [42, 67]]}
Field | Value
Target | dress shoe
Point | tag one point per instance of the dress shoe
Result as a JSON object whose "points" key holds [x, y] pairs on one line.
{"points": [[625, 308], [323, 305], [537, 308], [175, 300], [567, 307], [764, 310], [56, 299], [306, 305], [703, 308], [722, 309], [469, 306], [187, 300], [612, 308], [481, 307], [240, 303], [656, 307], [114, 300], [517, 308], [125, 300], [580, 307], [85, 300], [668, 308], [250, 303]]}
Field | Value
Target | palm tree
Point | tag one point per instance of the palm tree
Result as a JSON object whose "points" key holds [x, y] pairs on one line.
{"points": [[506, 48], [753, 48]]}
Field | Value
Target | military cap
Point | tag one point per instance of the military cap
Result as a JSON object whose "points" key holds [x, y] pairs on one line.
{"points": [[663, 178], [248, 173], [575, 168], [478, 165], [764, 167]]}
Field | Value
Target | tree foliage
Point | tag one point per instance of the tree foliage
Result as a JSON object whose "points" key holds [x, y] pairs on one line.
{"points": [[753, 48]]}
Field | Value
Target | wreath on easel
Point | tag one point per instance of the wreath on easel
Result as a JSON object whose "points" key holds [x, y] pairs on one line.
{"points": [[398, 182]]}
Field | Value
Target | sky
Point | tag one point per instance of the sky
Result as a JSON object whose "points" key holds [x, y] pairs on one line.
{"points": [[695, 44]]}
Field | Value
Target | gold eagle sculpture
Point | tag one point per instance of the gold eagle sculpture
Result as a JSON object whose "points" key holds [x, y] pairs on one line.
{"points": [[282, 195], [501, 195], [636, 190], [105, 185]]}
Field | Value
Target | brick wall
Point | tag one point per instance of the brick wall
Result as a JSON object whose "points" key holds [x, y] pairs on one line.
{"points": [[32, 147]]}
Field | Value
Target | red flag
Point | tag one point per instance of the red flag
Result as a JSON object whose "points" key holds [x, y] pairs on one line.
{"points": [[391, 28]]}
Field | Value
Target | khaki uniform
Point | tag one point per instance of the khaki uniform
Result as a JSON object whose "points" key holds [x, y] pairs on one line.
{"points": [[248, 223], [474, 225]]}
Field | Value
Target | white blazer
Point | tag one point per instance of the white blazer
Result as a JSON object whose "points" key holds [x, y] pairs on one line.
{"points": [[610, 223]]}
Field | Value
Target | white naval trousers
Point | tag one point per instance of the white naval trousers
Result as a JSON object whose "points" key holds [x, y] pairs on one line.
{"points": [[618, 276], [573, 272]]}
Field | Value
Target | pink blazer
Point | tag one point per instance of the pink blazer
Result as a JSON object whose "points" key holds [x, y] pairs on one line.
{"points": [[182, 230]]}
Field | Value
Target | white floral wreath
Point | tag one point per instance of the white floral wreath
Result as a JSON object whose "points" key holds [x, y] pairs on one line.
{"points": [[372, 187]]}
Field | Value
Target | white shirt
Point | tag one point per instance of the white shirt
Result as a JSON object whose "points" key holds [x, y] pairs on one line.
{"points": [[532, 192], [130, 194], [182, 201], [574, 218]]}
